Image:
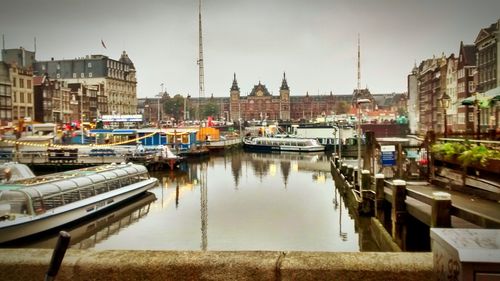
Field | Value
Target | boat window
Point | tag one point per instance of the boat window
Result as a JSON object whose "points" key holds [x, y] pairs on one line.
{"points": [[102, 188], [114, 184], [13, 202], [125, 181], [52, 202], [71, 196], [87, 192]]}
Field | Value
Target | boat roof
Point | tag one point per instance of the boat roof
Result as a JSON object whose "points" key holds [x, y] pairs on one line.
{"points": [[94, 174]]}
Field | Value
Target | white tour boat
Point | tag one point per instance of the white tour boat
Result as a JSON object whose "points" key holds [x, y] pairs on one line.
{"points": [[286, 143], [38, 204]]}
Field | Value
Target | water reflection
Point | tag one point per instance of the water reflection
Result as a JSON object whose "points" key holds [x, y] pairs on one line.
{"points": [[254, 201]]}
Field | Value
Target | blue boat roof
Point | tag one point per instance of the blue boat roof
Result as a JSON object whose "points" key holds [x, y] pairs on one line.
{"points": [[124, 132]]}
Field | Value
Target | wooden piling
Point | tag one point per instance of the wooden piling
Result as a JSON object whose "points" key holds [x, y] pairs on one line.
{"points": [[441, 205], [350, 170], [399, 213], [379, 197], [343, 169]]}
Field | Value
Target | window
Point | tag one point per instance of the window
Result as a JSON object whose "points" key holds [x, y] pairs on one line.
{"points": [[21, 97], [74, 75], [90, 74], [58, 66], [58, 75], [29, 97], [14, 82], [471, 87], [28, 84], [82, 75], [89, 65], [471, 72], [14, 96], [21, 83]]}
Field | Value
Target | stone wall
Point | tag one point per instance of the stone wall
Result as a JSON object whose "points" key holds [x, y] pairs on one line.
{"points": [[31, 264]]}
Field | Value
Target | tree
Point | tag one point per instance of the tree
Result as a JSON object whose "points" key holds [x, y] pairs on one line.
{"points": [[209, 109], [342, 107], [174, 107]]}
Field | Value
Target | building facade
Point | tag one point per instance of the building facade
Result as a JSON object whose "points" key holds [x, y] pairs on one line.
{"points": [[5, 95], [451, 92], [488, 46], [52, 99], [466, 86], [412, 104], [116, 79]]}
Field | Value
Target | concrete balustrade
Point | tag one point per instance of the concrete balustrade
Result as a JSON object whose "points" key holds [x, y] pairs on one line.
{"points": [[32, 264]]}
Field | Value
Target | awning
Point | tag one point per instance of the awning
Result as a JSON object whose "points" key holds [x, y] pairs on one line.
{"points": [[477, 99], [124, 132], [493, 94], [101, 131]]}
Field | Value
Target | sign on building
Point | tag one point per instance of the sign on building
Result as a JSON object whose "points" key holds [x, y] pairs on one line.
{"points": [[388, 155], [122, 118]]}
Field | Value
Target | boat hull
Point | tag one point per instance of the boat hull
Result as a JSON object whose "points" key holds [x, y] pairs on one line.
{"points": [[27, 226], [278, 148]]}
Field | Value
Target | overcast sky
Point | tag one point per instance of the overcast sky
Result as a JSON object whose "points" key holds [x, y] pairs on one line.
{"points": [[313, 41]]}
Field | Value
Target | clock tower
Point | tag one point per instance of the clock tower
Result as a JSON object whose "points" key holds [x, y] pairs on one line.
{"points": [[284, 100]]}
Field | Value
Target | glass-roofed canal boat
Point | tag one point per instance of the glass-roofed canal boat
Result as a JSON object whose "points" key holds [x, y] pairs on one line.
{"points": [[34, 205]]}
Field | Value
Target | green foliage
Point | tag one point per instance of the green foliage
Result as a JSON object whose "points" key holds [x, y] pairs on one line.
{"points": [[342, 107], [174, 106], [466, 153], [209, 109], [449, 149], [478, 154]]}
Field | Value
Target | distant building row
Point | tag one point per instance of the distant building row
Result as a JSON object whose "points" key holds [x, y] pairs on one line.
{"points": [[65, 91], [469, 80]]}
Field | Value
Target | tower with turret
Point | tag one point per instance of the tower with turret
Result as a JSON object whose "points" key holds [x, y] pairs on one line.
{"points": [[284, 99], [234, 103]]}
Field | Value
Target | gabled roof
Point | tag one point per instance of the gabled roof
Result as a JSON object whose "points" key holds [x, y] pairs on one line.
{"points": [[469, 54], [259, 88], [487, 32]]}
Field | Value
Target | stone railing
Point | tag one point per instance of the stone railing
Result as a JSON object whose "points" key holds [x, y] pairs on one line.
{"points": [[32, 264]]}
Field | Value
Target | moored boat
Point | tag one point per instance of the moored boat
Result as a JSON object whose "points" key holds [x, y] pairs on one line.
{"points": [[38, 204], [282, 144]]}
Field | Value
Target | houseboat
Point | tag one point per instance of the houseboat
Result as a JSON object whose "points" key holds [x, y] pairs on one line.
{"points": [[270, 144], [34, 205]]}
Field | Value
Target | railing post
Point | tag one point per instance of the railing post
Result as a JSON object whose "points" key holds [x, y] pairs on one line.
{"points": [[379, 197], [350, 170], [366, 201], [441, 205], [343, 169], [399, 213]]}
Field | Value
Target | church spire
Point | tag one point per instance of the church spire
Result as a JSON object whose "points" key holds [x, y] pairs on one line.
{"points": [[235, 87], [284, 84]]}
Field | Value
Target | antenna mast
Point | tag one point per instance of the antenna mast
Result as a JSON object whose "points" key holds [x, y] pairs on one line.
{"points": [[200, 63], [359, 66]]}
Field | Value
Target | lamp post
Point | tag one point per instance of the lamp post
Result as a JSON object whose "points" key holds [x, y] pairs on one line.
{"points": [[159, 116], [359, 102], [445, 103]]}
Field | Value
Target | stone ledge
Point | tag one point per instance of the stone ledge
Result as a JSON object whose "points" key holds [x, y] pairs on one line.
{"points": [[31, 264]]}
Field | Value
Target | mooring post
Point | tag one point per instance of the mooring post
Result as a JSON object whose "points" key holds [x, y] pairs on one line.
{"points": [[379, 197], [441, 205], [350, 171], [365, 180], [399, 213], [336, 160], [368, 158], [343, 169], [355, 178]]}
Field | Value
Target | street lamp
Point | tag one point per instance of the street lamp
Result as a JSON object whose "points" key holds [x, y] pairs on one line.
{"points": [[359, 102], [444, 102], [159, 96]]}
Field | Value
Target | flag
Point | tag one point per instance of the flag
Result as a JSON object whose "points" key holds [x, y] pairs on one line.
{"points": [[104, 45]]}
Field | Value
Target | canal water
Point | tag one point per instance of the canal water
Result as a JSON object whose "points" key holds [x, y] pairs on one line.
{"points": [[234, 201]]}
